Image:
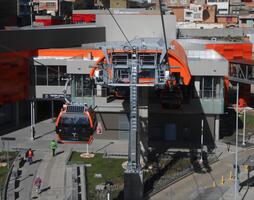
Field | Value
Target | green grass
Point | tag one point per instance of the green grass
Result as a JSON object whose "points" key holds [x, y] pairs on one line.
{"points": [[249, 121], [110, 168], [4, 170]]}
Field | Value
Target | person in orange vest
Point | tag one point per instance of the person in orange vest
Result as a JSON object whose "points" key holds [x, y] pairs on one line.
{"points": [[29, 155]]}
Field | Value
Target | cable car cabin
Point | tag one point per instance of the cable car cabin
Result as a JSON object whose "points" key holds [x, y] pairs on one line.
{"points": [[76, 124]]}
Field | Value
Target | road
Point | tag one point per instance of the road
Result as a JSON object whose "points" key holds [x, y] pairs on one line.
{"points": [[201, 186]]}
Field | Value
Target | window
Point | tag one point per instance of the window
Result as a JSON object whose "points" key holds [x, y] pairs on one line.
{"points": [[243, 21], [50, 4], [53, 75], [62, 71], [79, 88], [41, 75], [197, 15], [210, 87], [50, 75], [188, 14]]}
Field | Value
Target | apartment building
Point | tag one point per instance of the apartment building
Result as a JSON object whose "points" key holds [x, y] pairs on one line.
{"points": [[222, 5], [194, 13], [14, 13]]}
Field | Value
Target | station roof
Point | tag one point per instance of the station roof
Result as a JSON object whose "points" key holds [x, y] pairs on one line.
{"points": [[206, 63], [243, 61]]}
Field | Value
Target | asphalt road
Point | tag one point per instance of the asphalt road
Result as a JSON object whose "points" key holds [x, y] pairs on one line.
{"points": [[201, 186]]}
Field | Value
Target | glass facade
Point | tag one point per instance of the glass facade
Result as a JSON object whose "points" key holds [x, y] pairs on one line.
{"points": [[50, 75], [208, 92]]}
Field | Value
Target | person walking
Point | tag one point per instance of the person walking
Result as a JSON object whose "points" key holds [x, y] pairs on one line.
{"points": [[37, 184], [29, 155], [53, 146]]}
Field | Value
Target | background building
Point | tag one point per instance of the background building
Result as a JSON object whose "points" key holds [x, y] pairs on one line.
{"points": [[194, 13], [14, 13], [222, 5]]}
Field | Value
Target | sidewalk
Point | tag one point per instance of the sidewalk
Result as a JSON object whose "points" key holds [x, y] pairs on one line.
{"points": [[214, 185], [52, 170]]}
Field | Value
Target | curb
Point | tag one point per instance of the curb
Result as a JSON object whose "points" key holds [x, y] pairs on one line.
{"points": [[6, 183]]}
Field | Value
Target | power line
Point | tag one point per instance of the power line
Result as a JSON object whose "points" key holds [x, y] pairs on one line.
{"points": [[120, 28], [164, 32]]}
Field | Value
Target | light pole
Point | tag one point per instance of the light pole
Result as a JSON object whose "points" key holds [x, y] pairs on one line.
{"points": [[202, 141], [244, 126], [236, 143], [31, 12], [32, 120]]}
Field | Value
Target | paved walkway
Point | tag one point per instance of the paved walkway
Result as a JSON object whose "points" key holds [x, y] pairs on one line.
{"points": [[51, 169], [211, 186]]}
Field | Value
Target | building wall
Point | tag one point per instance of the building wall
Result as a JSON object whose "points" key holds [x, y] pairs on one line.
{"points": [[181, 130], [14, 67], [246, 22], [118, 3], [114, 125], [14, 76], [174, 3], [50, 5], [209, 14], [137, 26], [222, 7], [8, 13], [179, 13], [199, 2], [56, 37], [227, 19], [194, 13]]}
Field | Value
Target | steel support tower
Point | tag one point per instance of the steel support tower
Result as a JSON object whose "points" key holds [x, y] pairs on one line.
{"points": [[133, 179]]}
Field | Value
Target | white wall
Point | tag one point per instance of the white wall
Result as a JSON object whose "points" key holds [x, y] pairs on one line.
{"points": [[137, 26]]}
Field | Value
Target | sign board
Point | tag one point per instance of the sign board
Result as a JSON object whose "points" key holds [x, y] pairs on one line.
{"points": [[8, 138], [54, 96]]}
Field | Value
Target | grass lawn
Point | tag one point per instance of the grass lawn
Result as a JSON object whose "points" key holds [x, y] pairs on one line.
{"points": [[249, 120], [4, 170], [110, 169]]}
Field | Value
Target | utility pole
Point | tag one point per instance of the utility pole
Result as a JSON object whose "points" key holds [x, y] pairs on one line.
{"points": [[202, 140], [32, 120], [236, 144], [31, 12]]}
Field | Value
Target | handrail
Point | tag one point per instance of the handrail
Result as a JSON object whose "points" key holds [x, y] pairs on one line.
{"points": [[6, 183]]}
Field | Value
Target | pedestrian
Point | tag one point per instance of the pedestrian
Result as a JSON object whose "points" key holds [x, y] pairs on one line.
{"points": [[53, 146], [37, 184], [29, 156]]}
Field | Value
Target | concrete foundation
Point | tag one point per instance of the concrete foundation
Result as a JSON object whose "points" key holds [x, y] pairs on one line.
{"points": [[133, 186]]}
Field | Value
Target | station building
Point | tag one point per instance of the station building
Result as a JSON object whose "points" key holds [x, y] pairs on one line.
{"points": [[203, 97]]}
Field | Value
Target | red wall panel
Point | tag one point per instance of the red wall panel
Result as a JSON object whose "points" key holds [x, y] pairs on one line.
{"points": [[14, 76]]}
